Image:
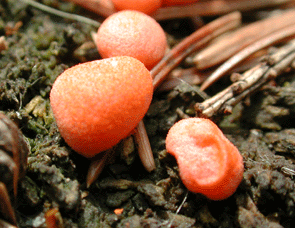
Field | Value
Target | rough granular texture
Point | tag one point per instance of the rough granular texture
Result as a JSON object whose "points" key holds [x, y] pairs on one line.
{"points": [[134, 34], [96, 104]]}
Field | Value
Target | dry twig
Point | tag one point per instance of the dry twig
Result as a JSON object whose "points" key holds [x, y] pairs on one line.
{"points": [[249, 82]]}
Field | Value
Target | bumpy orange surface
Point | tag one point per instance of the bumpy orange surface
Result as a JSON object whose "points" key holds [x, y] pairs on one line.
{"points": [[98, 103], [132, 33], [208, 162], [145, 6]]}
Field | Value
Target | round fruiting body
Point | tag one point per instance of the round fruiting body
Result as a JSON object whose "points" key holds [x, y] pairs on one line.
{"points": [[98, 103], [134, 34]]}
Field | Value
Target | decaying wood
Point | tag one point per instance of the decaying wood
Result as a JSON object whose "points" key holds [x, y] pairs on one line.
{"points": [[249, 82]]}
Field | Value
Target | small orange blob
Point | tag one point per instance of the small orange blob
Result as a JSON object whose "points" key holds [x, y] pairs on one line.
{"points": [[132, 33], [145, 6], [98, 103], [118, 211], [208, 162]]}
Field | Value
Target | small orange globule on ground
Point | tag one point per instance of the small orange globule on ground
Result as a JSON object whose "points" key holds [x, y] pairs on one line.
{"points": [[145, 6], [134, 34], [208, 162], [98, 103]]}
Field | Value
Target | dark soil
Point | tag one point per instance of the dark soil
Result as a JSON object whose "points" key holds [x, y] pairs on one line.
{"points": [[41, 46]]}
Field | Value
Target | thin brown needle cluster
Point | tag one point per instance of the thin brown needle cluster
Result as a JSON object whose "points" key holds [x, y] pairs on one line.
{"points": [[195, 41], [249, 39]]}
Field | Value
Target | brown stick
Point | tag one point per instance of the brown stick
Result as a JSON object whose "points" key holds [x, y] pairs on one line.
{"points": [[248, 83]]}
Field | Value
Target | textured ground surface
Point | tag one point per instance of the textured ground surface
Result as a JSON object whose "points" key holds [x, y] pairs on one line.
{"points": [[41, 46]]}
